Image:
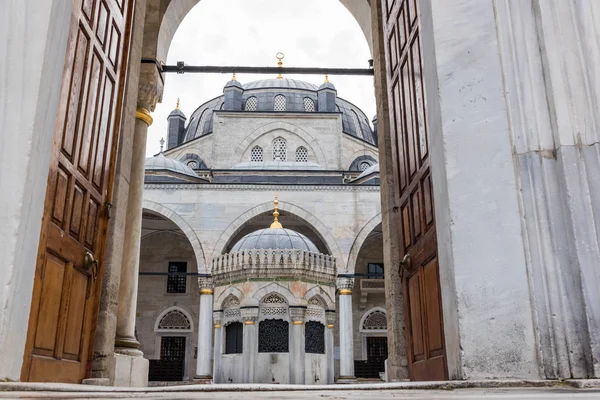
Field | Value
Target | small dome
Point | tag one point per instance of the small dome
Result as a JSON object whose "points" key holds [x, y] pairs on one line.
{"points": [[372, 169], [275, 238], [176, 113], [233, 83], [327, 85], [162, 163]]}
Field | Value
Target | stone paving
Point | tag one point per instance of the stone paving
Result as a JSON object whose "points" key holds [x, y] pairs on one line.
{"points": [[470, 394]]}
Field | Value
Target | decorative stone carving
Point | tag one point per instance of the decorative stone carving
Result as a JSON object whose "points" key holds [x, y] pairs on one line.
{"points": [[218, 318], [377, 320], [249, 315], [174, 320], [230, 301], [297, 313], [205, 284], [273, 299], [316, 301], [330, 317], [264, 264], [150, 88], [344, 283]]}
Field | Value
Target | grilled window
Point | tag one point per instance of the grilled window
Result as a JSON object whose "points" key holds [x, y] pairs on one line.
{"points": [[251, 103], [364, 166], [301, 154], [256, 154], [279, 149], [309, 104], [314, 337], [234, 338], [177, 279], [273, 336], [280, 103]]}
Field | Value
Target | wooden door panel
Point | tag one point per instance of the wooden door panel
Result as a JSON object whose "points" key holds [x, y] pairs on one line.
{"points": [[66, 294], [412, 174]]}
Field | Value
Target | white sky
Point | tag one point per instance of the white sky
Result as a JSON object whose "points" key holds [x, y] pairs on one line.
{"points": [[311, 33]]}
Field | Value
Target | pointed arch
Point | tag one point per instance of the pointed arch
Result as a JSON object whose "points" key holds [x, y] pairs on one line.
{"points": [[184, 227], [373, 312], [230, 291], [175, 310], [278, 289], [359, 241], [311, 220]]}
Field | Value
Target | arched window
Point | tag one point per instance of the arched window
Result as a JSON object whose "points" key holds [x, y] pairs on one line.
{"points": [[301, 154], [357, 128], [280, 103], [234, 334], [251, 103], [314, 339], [279, 149], [192, 164], [309, 104], [375, 321], [256, 154], [364, 165], [175, 320]]}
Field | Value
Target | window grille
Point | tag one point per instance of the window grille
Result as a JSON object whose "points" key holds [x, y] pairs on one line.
{"points": [[301, 154], [175, 320], [177, 278], [256, 154], [314, 339], [279, 149], [171, 365], [251, 104], [375, 321], [231, 301], [192, 164], [273, 336], [279, 103], [234, 338], [309, 104], [273, 299], [364, 166], [357, 128]]}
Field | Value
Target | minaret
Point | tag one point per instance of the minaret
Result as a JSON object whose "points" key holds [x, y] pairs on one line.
{"points": [[176, 127], [276, 224]]}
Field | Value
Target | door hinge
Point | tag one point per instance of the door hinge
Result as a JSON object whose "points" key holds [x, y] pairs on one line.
{"points": [[107, 207]]}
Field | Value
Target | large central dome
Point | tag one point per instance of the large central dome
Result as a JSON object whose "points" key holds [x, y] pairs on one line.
{"points": [[275, 238]]}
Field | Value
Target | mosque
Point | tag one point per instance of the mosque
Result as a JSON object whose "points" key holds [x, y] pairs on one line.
{"points": [[290, 291]]}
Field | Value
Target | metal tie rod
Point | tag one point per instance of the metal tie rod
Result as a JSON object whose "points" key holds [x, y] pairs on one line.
{"points": [[181, 68]]}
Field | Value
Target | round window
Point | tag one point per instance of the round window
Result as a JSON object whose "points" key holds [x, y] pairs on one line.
{"points": [[364, 165], [192, 164]]}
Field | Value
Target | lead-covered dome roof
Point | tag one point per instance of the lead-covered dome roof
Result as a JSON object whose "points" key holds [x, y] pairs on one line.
{"points": [[295, 92], [162, 163], [275, 238]]}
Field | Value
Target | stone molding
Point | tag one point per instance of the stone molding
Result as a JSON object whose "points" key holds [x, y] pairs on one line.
{"points": [[206, 284], [218, 317], [330, 317], [265, 264], [297, 314], [257, 188], [249, 314]]}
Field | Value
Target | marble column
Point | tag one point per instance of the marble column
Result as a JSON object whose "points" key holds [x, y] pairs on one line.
{"points": [[203, 362], [218, 350], [297, 351], [250, 341], [344, 286], [329, 346], [149, 93]]}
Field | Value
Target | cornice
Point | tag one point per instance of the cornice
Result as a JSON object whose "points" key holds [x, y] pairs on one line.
{"points": [[261, 187]]}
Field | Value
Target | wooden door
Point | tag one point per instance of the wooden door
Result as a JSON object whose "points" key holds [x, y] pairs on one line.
{"points": [[412, 173], [66, 288]]}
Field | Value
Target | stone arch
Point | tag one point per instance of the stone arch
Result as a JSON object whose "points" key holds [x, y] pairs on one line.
{"points": [[306, 137], [318, 291], [278, 289], [171, 309], [359, 241], [368, 314], [230, 291], [309, 218], [185, 228], [166, 25]]}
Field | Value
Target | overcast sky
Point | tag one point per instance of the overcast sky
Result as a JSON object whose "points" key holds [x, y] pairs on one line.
{"points": [[311, 33]]}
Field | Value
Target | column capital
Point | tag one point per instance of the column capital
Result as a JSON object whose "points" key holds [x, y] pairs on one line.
{"points": [[249, 314], [344, 285], [330, 318], [297, 314], [218, 318], [206, 285], [150, 89]]}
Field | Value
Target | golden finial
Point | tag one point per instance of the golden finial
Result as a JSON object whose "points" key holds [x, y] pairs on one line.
{"points": [[280, 63], [177, 107], [233, 77], [276, 224], [326, 78]]}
